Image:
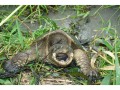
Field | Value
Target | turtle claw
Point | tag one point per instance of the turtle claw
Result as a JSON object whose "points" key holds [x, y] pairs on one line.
{"points": [[92, 76], [92, 73]]}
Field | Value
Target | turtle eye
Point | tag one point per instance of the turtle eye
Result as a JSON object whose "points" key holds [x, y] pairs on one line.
{"points": [[61, 56]]}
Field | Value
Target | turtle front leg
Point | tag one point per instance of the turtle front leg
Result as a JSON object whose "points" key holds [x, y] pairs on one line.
{"points": [[14, 66], [83, 61], [19, 60]]}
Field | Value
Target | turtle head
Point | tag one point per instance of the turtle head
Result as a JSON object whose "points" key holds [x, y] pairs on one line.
{"points": [[61, 55]]}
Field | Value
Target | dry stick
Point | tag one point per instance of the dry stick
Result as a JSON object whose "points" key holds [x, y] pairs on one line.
{"points": [[6, 19], [59, 80]]}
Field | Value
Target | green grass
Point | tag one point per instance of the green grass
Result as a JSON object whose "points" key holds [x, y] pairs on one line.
{"points": [[13, 39]]}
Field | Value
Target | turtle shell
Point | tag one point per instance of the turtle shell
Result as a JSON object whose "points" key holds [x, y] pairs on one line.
{"points": [[72, 40]]}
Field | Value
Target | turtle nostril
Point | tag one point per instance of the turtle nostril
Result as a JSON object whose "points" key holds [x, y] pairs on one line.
{"points": [[62, 56]]}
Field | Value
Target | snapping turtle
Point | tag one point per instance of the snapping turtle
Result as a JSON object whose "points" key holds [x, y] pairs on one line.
{"points": [[56, 47]]}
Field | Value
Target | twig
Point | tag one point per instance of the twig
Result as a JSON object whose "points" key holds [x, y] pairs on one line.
{"points": [[58, 80]]}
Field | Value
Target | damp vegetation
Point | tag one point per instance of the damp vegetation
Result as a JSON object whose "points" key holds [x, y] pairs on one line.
{"points": [[22, 25]]}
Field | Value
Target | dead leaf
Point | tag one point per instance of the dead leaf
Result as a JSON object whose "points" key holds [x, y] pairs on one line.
{"points": [[108, 68]]}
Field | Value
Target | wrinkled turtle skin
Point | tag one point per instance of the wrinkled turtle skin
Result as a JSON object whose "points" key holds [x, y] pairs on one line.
{"points": [[59, 48]]}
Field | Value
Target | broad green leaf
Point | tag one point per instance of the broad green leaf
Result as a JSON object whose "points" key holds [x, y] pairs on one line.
{"points": [[106, 80], [106, 43], [5, 82], [2, 58]]}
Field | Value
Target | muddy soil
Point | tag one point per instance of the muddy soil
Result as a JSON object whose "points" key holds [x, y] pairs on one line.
{"points": [[98, 19], [86, 29]]}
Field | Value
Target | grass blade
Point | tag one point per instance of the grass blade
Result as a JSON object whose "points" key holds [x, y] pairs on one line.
{"points": [[20, 36], [117, 66]]}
